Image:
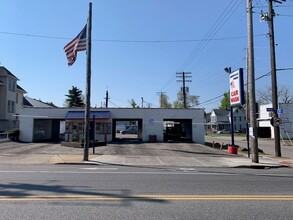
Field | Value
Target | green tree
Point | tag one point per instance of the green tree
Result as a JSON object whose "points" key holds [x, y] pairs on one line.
{"points": [[164, 101], [74, 97], [225, 102], [191, 100], [133, 103]]}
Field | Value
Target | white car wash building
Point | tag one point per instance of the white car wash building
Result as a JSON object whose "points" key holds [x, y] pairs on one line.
{"points": [[145, 124]]}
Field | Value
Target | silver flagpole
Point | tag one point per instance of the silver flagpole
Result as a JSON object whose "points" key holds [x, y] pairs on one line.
{"points": [[88, 86]]}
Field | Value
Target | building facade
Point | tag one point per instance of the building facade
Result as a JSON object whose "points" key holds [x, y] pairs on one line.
{"points": [[220, 119], [285, 113], [45, 124], [11, 100]]}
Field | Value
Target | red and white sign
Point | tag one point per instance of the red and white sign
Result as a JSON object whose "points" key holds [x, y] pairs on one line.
{"points": [[236, 88]]}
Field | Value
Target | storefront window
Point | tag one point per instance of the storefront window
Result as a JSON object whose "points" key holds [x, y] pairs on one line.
{"points": [[103, 128]]}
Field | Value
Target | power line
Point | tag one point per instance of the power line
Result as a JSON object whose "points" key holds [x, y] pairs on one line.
{"points": [[258, 78], [212, 32], [130, 41]]}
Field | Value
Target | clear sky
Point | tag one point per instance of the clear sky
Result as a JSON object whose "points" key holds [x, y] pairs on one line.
{"points": [[138, 46]]}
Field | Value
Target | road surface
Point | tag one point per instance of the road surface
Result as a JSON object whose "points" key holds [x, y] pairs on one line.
{"points": [[114, 192]]}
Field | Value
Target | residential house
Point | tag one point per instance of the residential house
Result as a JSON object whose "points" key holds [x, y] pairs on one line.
{"points": [[220, 119], [11, 99]]}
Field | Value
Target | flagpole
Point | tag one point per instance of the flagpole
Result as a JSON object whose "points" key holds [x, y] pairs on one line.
{"points": [[88, 85]]}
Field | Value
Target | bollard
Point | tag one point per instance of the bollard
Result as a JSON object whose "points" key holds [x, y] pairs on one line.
{"points": [[213, 144]]}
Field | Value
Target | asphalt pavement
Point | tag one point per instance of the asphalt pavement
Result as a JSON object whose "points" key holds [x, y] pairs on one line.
{"points": [[183, 155]]}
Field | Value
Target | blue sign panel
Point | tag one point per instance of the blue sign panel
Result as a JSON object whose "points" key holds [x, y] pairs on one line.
{"points": [[280, 111]]}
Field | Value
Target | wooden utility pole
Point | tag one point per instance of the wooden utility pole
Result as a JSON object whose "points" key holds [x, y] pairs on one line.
{"points": [[271, 15], [184, 75], [161, 98], [88, 86], [107, 98], [253, 137]]}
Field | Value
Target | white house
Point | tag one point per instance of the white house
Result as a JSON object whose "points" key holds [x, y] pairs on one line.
{"points": [[220, 119], [11, 99]]}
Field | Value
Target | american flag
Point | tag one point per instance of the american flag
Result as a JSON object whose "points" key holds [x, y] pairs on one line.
{"points": [[77, 44]]}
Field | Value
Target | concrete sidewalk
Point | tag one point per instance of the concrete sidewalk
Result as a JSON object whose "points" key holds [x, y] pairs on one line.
{"points": [[133, 154], [187, 155]]}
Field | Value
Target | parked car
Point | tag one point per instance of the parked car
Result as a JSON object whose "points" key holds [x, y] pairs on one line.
{"points": [[130, 130], [224, 131]]}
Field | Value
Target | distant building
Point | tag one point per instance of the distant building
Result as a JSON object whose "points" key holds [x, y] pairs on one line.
{"points": [[31, 102], [11, 100], [219, 119], [266, 130]]}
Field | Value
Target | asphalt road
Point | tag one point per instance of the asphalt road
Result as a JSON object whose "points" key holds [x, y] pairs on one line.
{"points": [[114, 192]]}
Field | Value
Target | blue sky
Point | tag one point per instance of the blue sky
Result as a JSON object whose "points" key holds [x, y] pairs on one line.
{"points": [[138, 46]]}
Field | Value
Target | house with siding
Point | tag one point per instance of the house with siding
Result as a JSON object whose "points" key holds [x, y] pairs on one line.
{"points": [[220, 119], [11, 100]]}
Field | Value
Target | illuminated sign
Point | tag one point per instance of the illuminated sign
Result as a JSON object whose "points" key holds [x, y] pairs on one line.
{"points": [[236, 88]]}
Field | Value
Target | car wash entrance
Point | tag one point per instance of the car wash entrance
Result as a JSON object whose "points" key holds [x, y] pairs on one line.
{"points": [[179, 130], [127, 129], [46, 130]]}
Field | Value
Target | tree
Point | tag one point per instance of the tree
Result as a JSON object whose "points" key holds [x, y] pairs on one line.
{"points": [[225, 102], [191, 100], [133, 103], [164, 101], [75, 98], [284, 95]]}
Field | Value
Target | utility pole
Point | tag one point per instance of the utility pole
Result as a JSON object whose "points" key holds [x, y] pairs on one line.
{"points": [[253, 136], [247, 124], [161, 98], [184, 75], [269, 17], [107, 98], [141, 102]]}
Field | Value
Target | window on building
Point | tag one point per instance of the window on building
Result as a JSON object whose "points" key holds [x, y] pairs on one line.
{"points": [[11, 85], [16, 98], [103, 128], [234, 118], [239, 118], [10, 106], [213, 118]]}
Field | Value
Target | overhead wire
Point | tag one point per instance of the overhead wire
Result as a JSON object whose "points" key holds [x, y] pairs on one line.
{"points": [[213, 30], [125, 41]]}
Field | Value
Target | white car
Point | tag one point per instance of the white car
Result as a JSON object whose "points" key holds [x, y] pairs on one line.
{"points": [[130, 130], [224, 131]]}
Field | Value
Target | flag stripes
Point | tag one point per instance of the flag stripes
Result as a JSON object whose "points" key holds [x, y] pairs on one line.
{"points": [[77, 44]]}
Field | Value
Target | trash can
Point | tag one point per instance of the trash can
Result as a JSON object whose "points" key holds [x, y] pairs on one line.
{"points": [[152, 138], [232, 149]]}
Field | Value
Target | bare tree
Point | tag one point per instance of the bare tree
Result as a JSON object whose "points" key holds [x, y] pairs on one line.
{"points": [[284, 94]]}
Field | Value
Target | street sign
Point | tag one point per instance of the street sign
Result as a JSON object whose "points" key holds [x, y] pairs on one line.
{"points": [[275, 121], [270, 109], [236, 88]]}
